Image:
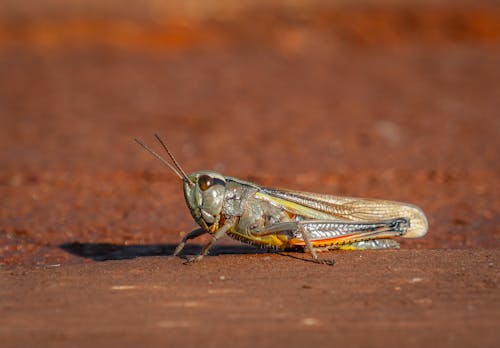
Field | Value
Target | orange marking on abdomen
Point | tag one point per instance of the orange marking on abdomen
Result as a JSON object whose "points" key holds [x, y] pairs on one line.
{"points": [[320, 242]]}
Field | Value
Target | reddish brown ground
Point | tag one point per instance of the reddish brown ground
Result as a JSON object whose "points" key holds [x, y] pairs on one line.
{"points": [[410, 298], [397, 102]]}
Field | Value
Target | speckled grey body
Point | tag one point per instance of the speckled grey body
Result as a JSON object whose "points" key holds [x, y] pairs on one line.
{"points": [[285, 219]]}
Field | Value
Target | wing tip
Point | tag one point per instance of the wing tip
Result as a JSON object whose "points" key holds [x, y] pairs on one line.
{"points": [[419, 225]]}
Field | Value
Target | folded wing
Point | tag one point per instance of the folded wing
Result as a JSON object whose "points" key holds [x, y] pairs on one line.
{"points": [[336, 208]]}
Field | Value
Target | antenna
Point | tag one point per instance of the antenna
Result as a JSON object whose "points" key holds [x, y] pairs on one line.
{"points": [[173, 158], [162, 159]]}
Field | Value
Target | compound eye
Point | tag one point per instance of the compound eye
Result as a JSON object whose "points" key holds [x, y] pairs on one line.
{"points": [[204, 182]]}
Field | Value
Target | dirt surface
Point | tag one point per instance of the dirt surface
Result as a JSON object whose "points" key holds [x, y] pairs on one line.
{"points": [[396, 101], [390, 298]]}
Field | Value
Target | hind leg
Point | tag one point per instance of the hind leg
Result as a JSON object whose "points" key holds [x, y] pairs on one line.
{"points": [[370, 244]]}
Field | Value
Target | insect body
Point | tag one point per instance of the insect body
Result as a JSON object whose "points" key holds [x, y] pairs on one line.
{"points": [[290, 220]]}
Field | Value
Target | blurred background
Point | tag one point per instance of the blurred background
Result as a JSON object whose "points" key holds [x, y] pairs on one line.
{"points": [[395, 99]]}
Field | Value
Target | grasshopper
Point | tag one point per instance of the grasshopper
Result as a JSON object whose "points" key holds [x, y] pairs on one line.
{"points": [[287, 219]]}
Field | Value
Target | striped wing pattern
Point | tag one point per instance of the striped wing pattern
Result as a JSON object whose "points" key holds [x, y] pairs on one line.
{"points": [[337, 208]]}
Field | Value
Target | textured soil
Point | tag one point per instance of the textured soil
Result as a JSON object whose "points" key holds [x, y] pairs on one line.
{"points": [[410, 298], [397, 102]]}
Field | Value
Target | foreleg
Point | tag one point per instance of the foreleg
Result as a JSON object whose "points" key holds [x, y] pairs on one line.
{"points": [[216, 236], [191, 235]]}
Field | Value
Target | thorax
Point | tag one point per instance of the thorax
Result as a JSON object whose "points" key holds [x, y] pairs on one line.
{"points": [[252, 213]]}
